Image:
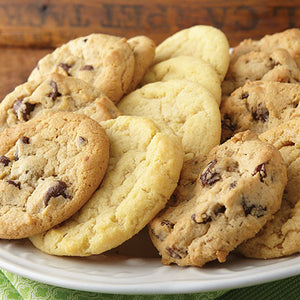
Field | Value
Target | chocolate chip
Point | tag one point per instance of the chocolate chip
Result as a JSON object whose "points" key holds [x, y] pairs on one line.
{"points": [[85, 40], [24, 108], [82, 140], [227, 123], [232, 185], [261, 114], [219, 209], [4, 160], [245, 96], [25, 140], [59, 189], [261, 169], [167, 223], [173, 253], [55, 93], [253, 209], [209, 177], [87, 68], [16, 184], [156, 235], [65, 67]]}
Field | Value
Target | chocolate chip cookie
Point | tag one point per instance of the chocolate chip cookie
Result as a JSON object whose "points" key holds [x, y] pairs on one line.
{"points": [[238, 189], [54, 93], [143, 171], [104, 61], [276, 65], [49, 168], [288, 39], [281, 235], [259, 106]]}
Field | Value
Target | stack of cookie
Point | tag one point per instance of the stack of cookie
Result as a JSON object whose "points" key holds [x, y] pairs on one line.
{"points": [[110, 135], [261, 92], [70, 162]]}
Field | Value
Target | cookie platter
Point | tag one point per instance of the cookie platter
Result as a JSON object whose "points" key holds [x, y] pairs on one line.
{"points": [[123, 274]]}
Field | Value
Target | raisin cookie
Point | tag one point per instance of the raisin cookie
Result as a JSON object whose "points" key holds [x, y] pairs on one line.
{"points": [[143, 171], [281, 235], [288, 39], [54, 93], [259, 106], [277, 65], [143, 49], [49, 168], [178, 107], [104, 61], [206, 42], [188, 68], [237, 191]]}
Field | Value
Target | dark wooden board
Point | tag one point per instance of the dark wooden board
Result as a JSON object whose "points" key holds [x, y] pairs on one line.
{"points": [[47, 23]]}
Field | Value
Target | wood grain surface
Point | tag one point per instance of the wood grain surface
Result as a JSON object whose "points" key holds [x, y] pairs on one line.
{"points": [[46, 23], [31, 28], [16, 64]]}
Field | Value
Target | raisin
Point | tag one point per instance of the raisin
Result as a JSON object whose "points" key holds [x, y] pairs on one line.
{"points": [[261, 169], [59, 189], [209, 177], [16, 184], [253, 209], [219, 209], [245, 96], [232, 185], [4, 160], [25, 139], [228, 124], [87, 68], [261, 114], [173, 253], [65, 67], [167, 223], [82, 140], [55, 93], [24, 108]]}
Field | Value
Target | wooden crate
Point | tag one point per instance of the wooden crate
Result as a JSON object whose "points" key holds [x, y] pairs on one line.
{"points": [[29, 29]]}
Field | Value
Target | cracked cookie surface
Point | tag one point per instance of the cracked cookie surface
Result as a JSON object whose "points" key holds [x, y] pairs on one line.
{"points": [[188, 68], [178, 107], [54, 93], [288, 39], [280, 236], [238, 189], [104, 61], [143, 171], [277, 66], [49, 168], [259, 106]]}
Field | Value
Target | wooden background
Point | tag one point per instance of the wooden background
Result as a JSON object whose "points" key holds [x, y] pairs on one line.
{"points": [[31, 28]]}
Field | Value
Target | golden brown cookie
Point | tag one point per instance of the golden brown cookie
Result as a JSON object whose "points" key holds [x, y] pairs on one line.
{"points": [[104, 61], [238, 189], [143, 171], [49, 168], [54, 93], [280, 236], [259, 106]]}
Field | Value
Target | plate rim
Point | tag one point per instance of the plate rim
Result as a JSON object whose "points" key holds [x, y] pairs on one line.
{"points": [[162, 287]]}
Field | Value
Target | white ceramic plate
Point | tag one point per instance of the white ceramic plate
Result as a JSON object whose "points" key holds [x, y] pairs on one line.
{"points": [[135, 268]]}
